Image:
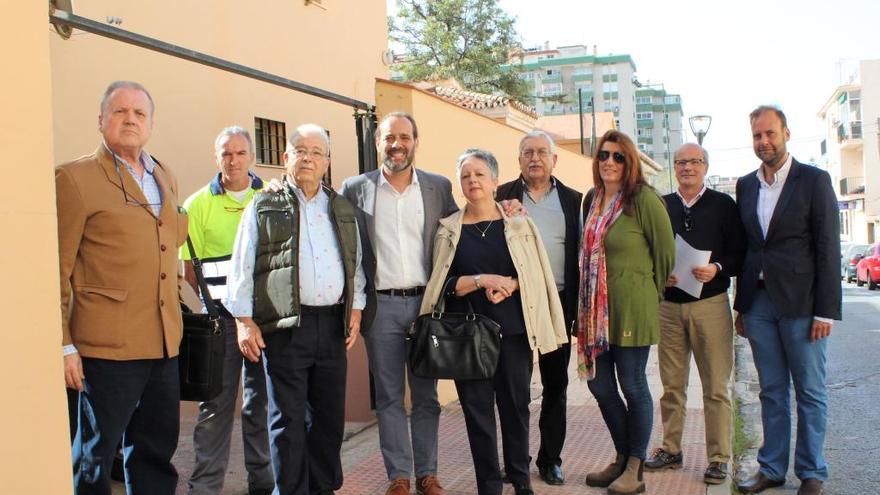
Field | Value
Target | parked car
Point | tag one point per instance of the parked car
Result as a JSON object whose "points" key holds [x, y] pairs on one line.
{"points": [[849, 258], [868, 268]]}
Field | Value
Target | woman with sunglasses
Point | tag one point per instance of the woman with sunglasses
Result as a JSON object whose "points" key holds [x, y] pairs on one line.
{"points": [[499, 266], [627, 254]]}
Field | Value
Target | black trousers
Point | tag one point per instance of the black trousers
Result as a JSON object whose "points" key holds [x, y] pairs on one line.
{"points": [[510, 388], [136, 401], [554, 379], [307, 364]]}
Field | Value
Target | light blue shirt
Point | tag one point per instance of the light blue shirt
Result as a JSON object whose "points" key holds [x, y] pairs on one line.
{"points": [[321, 273], [147, 183]]}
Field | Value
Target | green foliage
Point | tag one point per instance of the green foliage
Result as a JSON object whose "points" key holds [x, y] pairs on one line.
{"points": [[469, 40]]}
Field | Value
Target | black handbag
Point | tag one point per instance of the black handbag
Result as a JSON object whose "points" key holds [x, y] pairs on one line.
{"points": [[202, 347], [457, 346]]}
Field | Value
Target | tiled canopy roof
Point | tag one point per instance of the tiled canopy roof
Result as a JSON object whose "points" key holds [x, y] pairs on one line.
{"points": [[478, 101]]}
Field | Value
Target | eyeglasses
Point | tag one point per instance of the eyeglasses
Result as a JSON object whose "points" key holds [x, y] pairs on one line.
{"points": [[129, 199], [313, 154], [619, 158], [688, 220], [529, 154], [692, 161]]}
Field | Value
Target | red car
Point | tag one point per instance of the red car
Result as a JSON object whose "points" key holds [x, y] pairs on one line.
{"points": [[868, 269]]}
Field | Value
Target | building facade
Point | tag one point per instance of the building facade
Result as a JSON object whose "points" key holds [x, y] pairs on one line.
{"points": [[194, 102], [851, 116], [641, 110]]}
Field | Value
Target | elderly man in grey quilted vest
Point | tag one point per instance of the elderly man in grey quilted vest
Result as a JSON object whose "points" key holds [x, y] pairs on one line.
{"points": [[296, 288]]}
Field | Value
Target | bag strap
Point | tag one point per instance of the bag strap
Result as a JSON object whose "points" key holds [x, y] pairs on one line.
{"points": [[440, 305], [203, 286]]}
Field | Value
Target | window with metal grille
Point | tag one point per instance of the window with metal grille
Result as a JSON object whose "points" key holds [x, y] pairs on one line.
{"points": [[270, 140]]}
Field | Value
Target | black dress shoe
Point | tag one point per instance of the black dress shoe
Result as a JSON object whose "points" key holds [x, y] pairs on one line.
{"points": [[552, 474], [811, 486], [758, 483], [522, 490]]}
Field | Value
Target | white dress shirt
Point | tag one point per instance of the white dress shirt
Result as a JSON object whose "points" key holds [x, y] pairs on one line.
{"points": [[400, 230], [321, 274], [768, 197], [691, 203]]}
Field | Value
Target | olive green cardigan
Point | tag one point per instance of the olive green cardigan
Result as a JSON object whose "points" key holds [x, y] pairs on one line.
{"points": [[639, 256]]}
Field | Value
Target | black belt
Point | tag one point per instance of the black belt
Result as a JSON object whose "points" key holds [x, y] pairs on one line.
{"points": [[761, 284], [408, 292], [320, 309]]}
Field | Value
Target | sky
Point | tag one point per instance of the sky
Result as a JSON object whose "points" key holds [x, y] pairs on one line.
{"points": [[723, 57]]}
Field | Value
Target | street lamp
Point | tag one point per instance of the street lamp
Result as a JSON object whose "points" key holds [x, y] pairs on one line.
{"points": [[700, 126]]}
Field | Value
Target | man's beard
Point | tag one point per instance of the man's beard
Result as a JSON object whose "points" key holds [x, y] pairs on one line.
{"points": [[397, 167]]}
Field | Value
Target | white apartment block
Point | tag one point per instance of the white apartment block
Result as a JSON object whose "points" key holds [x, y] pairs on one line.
{"points": [[641, 110], [850, 152]]}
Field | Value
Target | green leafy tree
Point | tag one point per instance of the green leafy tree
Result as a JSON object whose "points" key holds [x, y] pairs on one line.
{"points": [[469, 40]]}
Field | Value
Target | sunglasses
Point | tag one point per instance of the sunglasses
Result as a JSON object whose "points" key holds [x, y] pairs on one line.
{"points": [[688, 221], [618, 157]]}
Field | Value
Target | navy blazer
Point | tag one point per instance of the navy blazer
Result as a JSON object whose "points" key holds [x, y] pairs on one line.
{"points": [[361, 191], [801, 254]]}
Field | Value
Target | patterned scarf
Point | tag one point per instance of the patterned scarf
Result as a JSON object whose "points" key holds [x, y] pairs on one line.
{"points": [[592, 317]]}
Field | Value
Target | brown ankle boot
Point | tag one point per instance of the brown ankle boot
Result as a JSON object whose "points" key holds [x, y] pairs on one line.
{"points": [[606, 476], [631, 481]]}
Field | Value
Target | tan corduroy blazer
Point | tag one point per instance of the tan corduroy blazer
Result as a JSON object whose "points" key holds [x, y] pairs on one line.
{"points": [[118, 261], [542, 311]]}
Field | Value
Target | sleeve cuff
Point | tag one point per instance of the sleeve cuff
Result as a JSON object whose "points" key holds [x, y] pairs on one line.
{"points": [[359, 301], [824, 320], [69, 349]]}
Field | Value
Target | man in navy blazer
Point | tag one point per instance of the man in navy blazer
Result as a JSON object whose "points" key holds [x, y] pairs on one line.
{"points": [[788, 296]]}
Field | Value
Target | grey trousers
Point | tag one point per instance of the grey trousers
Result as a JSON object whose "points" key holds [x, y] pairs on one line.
{"points": [[406, 446], [213, 432]]}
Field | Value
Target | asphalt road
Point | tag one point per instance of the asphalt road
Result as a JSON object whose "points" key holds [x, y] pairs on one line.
{"points": [[852, 443]]}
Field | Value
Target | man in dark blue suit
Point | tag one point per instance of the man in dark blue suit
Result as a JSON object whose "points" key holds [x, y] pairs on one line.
{"points": [[788, 296]]}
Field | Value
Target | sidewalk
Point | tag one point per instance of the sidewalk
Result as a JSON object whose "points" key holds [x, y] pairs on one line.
{"points": [[588, 447]]}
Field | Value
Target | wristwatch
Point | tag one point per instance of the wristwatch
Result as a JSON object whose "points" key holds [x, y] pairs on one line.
{"points": [[477, 281]]}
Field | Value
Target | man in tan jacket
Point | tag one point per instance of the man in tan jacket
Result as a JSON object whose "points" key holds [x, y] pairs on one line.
{"points": [[118, 229]]}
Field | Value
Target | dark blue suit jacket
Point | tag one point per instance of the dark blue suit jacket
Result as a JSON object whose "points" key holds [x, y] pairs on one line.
{"points": [[801, 254]]}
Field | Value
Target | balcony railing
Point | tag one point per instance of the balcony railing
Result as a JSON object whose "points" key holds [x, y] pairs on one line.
{"points": [[849, 130], [852, 185]]}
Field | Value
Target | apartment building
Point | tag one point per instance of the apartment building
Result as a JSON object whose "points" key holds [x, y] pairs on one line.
{"points": [[642, 110], [850, 153]]}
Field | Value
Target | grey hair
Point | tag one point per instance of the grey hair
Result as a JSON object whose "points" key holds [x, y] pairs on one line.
{"points": [[105, 100], [484, 155], [309, 130], [537, 133], [227, 133], [702, 150]]}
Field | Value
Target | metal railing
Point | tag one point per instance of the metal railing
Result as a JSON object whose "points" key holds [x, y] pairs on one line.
{"points": [[364, 113]]}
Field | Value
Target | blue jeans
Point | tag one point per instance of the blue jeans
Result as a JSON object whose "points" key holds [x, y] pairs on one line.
{"points": [[629, 423], [781, 349]]}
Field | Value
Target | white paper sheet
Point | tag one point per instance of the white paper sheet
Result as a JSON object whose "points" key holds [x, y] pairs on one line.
{"points": [[686, 259]]}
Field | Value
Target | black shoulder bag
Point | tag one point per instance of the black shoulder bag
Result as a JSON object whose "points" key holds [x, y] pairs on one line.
{"points": [[202, 347], [456, 346]]}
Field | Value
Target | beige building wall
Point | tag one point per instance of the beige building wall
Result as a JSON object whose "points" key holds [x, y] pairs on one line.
{"points": [[35, 445], [337, 47], [445, 130]]}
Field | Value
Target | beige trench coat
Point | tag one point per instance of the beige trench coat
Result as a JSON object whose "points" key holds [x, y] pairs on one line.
{"points": [[542, 311]]}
